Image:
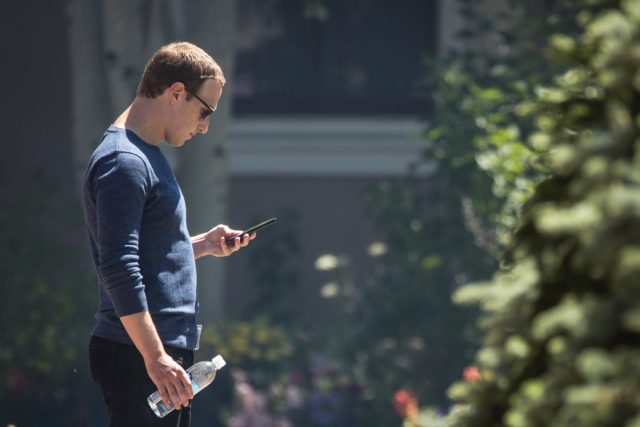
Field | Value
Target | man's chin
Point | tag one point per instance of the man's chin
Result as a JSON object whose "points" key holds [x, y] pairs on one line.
{"points": [[176, 144]]}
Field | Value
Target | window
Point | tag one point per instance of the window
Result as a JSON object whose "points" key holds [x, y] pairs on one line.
{"points": [[332, 56]]}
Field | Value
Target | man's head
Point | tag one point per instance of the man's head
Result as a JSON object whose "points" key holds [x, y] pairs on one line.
{"points": [[178, 62], [186, 83]]}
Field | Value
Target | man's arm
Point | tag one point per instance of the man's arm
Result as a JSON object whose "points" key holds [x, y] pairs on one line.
{"points": [[172, 381], [213, 242]]}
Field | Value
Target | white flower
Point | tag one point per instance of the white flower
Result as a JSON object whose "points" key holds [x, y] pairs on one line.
{"points": [[327, 262], [330, 290], [377, 249]]}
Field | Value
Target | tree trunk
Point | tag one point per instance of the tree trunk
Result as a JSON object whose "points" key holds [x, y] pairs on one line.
{"points": [[89, 94], [202, 163], [449, 23], [125, 26]]}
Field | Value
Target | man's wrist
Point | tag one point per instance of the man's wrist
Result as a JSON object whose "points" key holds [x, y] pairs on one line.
{"points": [[153, 354], [199, 244], [144, 335]]}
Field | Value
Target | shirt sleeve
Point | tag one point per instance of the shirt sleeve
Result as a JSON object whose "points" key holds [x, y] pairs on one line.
{"points": [[121, 185]]}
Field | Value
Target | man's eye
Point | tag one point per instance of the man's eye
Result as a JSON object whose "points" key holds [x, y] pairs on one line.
{"points": [[204, 114]]}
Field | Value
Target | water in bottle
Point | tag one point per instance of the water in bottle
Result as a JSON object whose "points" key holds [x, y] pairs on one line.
{"points": [[201, 375]]}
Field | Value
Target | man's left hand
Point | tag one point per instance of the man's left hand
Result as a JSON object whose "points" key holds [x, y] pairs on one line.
{"points": [[213, 241]]}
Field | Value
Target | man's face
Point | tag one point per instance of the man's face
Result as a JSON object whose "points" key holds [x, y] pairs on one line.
{"points": [[192, 116]]}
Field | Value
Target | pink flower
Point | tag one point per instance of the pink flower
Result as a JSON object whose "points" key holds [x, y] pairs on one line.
{"points": [[471, 374], [18, 383], [406, 404]]}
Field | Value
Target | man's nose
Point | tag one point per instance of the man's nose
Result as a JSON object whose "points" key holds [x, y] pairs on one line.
{"points": [[204, 126]]}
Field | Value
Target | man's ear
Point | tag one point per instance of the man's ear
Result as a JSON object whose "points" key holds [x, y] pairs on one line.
{"points": [[175, 90]]}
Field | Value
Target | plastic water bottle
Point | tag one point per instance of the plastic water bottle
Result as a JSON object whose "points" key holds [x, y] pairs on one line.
{"points": [[201, 374]]}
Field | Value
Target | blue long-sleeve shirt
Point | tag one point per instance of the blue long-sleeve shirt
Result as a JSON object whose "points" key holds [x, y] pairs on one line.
{"points": [[136, 221]]}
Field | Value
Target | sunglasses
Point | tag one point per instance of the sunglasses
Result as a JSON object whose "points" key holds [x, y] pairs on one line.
{"points": [[209, 109]]}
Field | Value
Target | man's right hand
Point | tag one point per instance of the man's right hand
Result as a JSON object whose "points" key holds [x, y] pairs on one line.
{"points": [[171, 379]]}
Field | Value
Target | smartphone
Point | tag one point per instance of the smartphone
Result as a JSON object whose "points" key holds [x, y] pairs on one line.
{"points": [[256, 227]]}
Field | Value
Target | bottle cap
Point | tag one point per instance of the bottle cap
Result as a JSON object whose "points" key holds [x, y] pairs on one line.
{"points": [[218, 362]]}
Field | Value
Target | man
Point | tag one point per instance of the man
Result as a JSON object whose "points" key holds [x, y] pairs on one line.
{"points": [[146, 329]]}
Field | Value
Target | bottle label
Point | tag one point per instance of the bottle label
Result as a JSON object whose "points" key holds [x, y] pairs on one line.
{"points": [[163, 409], [194, 386]]}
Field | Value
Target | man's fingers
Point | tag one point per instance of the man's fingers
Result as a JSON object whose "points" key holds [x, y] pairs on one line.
{"points": [[178, 396], [186, 383], [165, 397], [175, 398], [177, 393], [172, 381], [182, 389], [231, 247]]}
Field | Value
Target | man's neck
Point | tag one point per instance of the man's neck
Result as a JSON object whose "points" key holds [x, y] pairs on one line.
{"points": [[144, 118]]}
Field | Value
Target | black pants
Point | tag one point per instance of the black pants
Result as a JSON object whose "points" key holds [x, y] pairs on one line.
{"points": [[120, 371]]}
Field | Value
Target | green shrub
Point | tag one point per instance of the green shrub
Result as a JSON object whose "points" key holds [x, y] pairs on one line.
{"points": [[562, 340], [46, 316]]}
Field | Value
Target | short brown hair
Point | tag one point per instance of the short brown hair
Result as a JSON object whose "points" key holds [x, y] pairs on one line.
{"points": [[178, 62]]}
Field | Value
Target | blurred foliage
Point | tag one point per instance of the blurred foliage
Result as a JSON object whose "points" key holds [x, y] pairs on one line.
{"points": [[562, 331], [278, 356], [262, 337], [477, 135], [439, 232], [254, 346], [48, 304], [275, 281], [445, 229]]}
